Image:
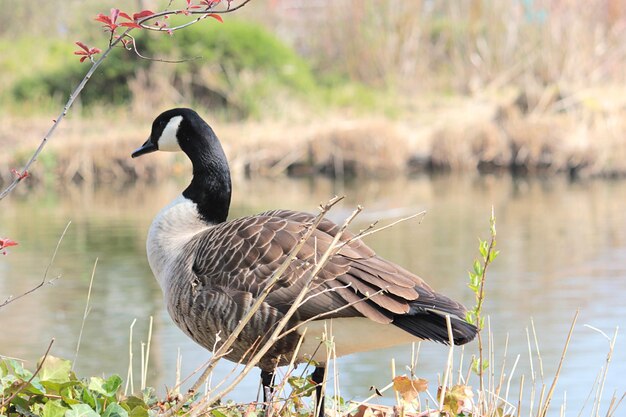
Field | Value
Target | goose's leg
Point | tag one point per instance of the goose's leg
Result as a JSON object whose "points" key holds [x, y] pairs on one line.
{"points": [[267, 381], [318, 378]]}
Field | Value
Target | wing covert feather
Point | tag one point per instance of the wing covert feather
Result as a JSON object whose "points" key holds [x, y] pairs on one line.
{"points": [[248, 250]]}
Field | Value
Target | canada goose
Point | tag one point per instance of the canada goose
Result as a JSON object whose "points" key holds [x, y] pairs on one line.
{"points": [[211, 269]]}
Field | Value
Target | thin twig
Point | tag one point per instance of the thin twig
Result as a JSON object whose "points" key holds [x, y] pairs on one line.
{"points": [[605, 368], [326, 313], [85, 313], [368, 232], [558, 369], [203, 14], [144, 375], [444, 384], [612, 409], [167, 61], [129, 379], [45, 274], [25, 384]]}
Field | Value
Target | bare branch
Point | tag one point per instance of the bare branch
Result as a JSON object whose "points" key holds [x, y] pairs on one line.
{"points": [[167, 61], [203, 15], [85, 313], [45, 275], [370, 229], [328, 313]]}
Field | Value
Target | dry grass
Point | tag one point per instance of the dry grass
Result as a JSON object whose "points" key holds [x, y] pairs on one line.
{"points": [[461, 135]]}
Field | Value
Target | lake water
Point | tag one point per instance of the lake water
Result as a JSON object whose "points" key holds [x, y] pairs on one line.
{"points": [[563, 248]]}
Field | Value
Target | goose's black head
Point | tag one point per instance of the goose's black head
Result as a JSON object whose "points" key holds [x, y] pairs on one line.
{"points": [[184, 130], [179, 130]]}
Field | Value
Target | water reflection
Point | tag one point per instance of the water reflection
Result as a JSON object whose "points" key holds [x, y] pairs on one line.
{"points": [[563, 248]]}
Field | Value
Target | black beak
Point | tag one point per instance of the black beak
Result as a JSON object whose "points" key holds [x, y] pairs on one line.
{"points": [[147, 147]]}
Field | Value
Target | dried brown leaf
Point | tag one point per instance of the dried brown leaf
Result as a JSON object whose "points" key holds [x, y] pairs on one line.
{"points": [[408, 388], [458, 399]]}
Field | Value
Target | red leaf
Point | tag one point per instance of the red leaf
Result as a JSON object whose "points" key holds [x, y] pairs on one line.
{"points": [[6, 242], [125, 16], [142, 14], [130, 25], [85, 52], [82, 45], [114, 14], [109, 21], [104, 19], [216, 17]]}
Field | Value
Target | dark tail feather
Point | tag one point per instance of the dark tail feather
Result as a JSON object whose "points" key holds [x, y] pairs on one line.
{"points": [[432, 326], [427, 319]]}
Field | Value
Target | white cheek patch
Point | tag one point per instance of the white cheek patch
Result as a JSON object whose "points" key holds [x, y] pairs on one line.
{"points": [[168, 141]]}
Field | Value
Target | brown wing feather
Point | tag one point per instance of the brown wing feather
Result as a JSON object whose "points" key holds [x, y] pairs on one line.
{"points": [[242, 255]]}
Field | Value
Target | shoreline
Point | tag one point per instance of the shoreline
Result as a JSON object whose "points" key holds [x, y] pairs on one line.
{"points": [[467, 136]]}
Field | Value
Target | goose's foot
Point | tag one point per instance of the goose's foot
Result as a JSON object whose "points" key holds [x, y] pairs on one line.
{"points": [[267, 382]]}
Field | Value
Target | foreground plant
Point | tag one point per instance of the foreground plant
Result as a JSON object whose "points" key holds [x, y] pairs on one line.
{"points": [[54, 390], [477, 276]]}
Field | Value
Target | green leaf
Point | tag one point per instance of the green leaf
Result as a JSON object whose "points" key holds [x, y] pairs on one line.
{"points": [[115, 410], [7, 381], [53, 409], [107, 388], [217, 413], [21, 406], [17, 368], [149, 396], [139, 411], [112, 385], [55, 370], [482, 247], [133, 402], [88, 397], [70, 401], [81, 410], [56, 388], [475, 366], [478, 268], [297, 382], [34, 387]]}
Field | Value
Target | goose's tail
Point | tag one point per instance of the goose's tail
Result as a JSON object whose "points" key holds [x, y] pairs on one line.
{"points": [[427, 319]]}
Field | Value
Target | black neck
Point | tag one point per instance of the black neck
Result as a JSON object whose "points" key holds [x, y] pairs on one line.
{"points": [[210, 187], [211, 195]]}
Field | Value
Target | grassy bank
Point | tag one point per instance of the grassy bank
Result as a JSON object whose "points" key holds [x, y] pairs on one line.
{"points": [[452, 135]]}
